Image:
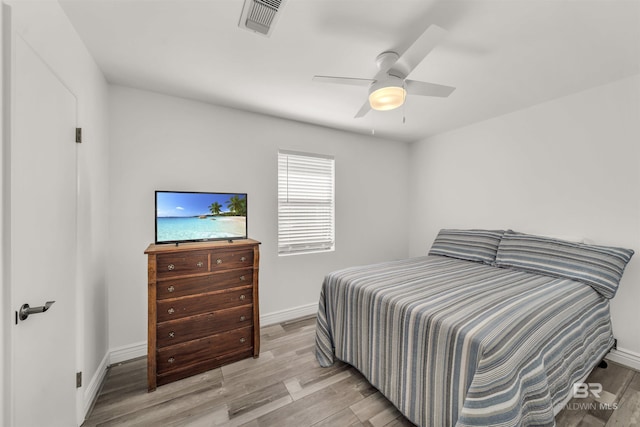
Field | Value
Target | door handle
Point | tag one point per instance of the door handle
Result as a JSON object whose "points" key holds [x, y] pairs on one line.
{"points": [[25, 310]]}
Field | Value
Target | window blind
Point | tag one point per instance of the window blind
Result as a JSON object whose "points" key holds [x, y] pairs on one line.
{"points": [[305, 203]]}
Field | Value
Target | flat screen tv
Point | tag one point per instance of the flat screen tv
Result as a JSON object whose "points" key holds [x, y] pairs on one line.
{"points": [[186, 216]]}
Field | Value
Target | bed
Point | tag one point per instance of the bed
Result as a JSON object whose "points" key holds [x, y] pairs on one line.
{"points": [[490, 328]]}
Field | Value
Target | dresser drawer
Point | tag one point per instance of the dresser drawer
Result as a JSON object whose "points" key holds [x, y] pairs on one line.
{"points": [[193, 352], [178, 264], [196, 285], [229, 259], [175, 308], [202, 325], [187, 371]]}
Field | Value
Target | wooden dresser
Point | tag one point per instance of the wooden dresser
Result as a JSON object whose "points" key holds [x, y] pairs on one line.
{"points": [[203, 307]]}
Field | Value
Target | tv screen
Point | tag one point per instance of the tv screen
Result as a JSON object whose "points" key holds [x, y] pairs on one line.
{"points": [[183, 216]]}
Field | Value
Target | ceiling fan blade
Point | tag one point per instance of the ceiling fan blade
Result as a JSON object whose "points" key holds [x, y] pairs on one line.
{"points": [[422, 46], [366, 107], [414, 87], [351, 81]]}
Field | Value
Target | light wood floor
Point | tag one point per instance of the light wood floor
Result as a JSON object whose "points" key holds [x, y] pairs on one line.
{"points": [[286, 387]]}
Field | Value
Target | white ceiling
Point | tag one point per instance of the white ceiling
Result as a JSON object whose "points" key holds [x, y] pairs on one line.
{"points": [[501, 55]]}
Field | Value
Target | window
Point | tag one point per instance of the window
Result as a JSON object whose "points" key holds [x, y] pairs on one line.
{"points": [[305, 203]]}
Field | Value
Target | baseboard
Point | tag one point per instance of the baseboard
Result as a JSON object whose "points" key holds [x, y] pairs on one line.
{"points": [[288, 314], [93, 387], [127, 352], [139, 349], [116, 355], [625, 357]]}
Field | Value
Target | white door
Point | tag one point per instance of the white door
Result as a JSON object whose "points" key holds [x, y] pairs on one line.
{"points": [[42, 242]]}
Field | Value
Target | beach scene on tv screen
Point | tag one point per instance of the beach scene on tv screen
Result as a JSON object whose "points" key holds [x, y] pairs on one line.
{"points": [[200, 216]]}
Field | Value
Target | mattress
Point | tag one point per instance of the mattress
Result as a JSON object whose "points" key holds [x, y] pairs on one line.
{"points": [[454, 342]]}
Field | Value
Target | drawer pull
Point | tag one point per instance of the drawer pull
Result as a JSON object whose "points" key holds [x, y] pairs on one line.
{"points": [[199, 264], [243, 339], [172, 334], [171, 360], [218, 261], [242, 297], [171, 310], [171, 288], [170, 267], [242, 318], [242, 278], [243, 259]]}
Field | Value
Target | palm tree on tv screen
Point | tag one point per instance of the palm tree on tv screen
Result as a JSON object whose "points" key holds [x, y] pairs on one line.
{"points": [[215, 208], [237, 205]]}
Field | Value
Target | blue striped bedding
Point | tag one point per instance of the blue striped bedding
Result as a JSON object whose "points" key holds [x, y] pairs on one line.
{"points": [[452, 342]]}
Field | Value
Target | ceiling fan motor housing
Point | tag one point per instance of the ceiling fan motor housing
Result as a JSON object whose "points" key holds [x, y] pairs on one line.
{"points": [[385, 60]]}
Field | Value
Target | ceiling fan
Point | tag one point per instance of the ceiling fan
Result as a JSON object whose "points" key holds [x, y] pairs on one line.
{"points": [[390, 86]]}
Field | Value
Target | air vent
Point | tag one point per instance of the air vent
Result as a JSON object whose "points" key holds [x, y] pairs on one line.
{"points": [[260, 15]]}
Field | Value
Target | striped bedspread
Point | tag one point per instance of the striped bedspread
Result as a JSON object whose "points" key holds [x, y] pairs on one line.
{"points": [[460, 343]]}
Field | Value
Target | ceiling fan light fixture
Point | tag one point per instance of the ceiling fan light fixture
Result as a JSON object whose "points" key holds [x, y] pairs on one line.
{"points": [[387, 94], [387, 98]]}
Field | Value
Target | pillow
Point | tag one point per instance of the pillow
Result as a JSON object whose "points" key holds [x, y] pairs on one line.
{"points": [[600, 267], [471, 245]]}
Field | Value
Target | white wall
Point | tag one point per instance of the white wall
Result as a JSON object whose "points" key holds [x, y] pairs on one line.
{"points": [[165, 143], [567, 167], [5, 295], [47, 29]]}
